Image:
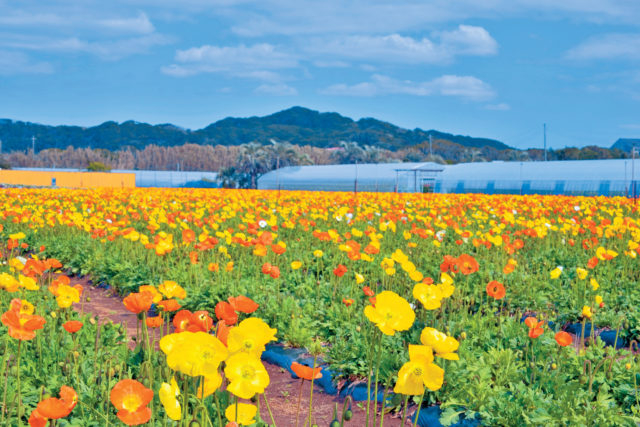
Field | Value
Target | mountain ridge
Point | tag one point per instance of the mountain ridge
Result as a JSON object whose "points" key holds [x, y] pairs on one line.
{"points": [[297, 125]]}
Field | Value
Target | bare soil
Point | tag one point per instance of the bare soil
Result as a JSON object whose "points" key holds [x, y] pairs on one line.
{"points": [[282, 392]]}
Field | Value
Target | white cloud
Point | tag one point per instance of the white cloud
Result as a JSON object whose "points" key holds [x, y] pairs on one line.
{"points": [[441, 48], [498, 107], [279, 89], [85, 20], [607, 46], [19, 63], [466, 87], [257, 61], [105, 49]]}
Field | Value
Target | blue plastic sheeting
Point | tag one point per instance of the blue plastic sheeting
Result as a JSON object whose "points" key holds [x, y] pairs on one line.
{"points": [[608, 336], [358, 392], [284, 357], [430, 417]]}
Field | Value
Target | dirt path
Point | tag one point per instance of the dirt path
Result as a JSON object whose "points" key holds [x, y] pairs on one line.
{"points": [[282, 392]]}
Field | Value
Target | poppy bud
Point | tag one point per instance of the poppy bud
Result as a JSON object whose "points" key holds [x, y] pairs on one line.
{"points": [[554, 366], [348, 414]]}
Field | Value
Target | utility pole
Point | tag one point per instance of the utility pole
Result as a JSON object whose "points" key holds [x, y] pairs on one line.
{"points": [[544, 126], [633, 171], [33, 146], [430, 148]]}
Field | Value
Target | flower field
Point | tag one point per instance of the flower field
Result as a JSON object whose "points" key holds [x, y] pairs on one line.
{"points": [[501, 310]]}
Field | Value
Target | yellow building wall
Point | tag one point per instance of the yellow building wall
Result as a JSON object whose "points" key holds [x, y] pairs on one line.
{"points": [[68, 179]]}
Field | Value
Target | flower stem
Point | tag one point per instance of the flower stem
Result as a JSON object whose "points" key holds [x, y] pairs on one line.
{"points": [[315, 357], [269, 409], [404, 412], [415, 422]]}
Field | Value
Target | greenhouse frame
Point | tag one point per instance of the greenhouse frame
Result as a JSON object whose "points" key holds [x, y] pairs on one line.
{"points": [[617, 177]]}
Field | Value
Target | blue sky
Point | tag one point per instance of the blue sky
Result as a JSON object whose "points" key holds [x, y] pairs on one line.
{"points": [[491, 68]]}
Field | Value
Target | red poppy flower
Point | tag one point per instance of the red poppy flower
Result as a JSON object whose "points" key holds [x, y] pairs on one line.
{"points": [[72, 326], [347, 301], [306, 372], [449, 263], [131, 399], [137, 302], [563, 339], [496, 289], [340, 270]]}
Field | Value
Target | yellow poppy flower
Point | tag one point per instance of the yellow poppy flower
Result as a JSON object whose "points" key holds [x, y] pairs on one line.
{"points": [[555, 273], [211, 383], [586, 312], [296, 265], [247, 375], [391, 313], [29, 283], [9, 283], [168, 394], [359, 278], [171, 289], [581, 273], [67, 295], [594, 284], [250, 336], [193, 353], [318, 253], [419, 372], [246, 413], [157, 296], [444, 346], [428, 295]]}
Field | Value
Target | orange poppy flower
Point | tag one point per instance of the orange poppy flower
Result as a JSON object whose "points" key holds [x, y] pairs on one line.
{"points": [[226, 312], [193, 257], [22, 326], [367, 291], [188, 236], [306, 372], [535, 327], [243, 304], [467, 264], [131, 399], [181, 320], [222, 332], [72, 326], [449, 263], [496, 289], [169, 305], [200, 322], [275, 272], [266, 268], [278, 249], [154, 322], [347, 301], [37, 420], [593, 262], [137, 302], [54, 408], [340, 270], [563, 339], [213, 267]]}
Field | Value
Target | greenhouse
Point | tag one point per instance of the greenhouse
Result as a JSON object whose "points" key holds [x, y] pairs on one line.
{"points": [[576, 177]]}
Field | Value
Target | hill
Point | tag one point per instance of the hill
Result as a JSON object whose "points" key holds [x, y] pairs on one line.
{"points": [[297, 125]]}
